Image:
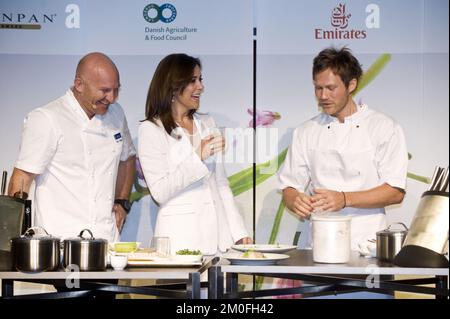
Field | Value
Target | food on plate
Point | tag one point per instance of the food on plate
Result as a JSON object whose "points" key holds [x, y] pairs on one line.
{"points": [[188, 256], [188, 252], [253, 254], [125, 247]]}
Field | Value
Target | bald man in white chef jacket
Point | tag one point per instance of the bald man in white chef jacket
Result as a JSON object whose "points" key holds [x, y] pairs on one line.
{"points": [[79, 151], [352, 159]]}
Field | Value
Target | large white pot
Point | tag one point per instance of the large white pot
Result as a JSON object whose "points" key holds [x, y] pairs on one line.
{"points": [[331, 238]]}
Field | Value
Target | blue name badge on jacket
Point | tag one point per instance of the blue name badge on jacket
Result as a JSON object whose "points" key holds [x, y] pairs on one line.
{"points": [[118, 137]]}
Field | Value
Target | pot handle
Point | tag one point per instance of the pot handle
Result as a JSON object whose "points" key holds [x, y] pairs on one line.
{"points": [[30, 232], [389, 227], [89, 231]]}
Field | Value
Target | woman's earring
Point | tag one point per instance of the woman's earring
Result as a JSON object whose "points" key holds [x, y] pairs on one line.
{"points": [[173, 98]]}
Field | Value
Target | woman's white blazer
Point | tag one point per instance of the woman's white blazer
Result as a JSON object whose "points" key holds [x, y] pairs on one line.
{"points": [[196, 206]]}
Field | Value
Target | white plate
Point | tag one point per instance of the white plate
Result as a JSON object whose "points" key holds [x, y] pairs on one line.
{"points": [[265, 248], [187, 258], [163, 262], [271, 259]]}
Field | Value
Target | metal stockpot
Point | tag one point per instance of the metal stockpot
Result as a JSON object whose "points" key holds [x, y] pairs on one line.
{"points": [[89, 254], [390, 242], [33, 252]]}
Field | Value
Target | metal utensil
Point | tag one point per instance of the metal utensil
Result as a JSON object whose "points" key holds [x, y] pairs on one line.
{"points": [[4, 177], [437, 179], [444, 181], [433, 178]]}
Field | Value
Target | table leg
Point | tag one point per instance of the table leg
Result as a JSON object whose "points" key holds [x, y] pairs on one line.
{"points": [[441, 283], [7, 287], [193, 286], [232, 287], [215, 285]]}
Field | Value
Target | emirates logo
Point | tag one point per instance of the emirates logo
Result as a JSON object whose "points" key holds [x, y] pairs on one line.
{"points": [[339, 22], [339, 18]]}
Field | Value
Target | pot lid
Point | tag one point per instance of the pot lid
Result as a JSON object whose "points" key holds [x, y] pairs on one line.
{"points": [[393, 232], [36, 233], [330, 217], [82, 239]]}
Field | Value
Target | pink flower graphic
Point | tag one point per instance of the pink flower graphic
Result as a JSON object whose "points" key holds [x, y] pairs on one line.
{"points": [[263, 118], [287, 283]]}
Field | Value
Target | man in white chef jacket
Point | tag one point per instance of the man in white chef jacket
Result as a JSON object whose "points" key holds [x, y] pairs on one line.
{"points": [[350, 158], [79, 151]]}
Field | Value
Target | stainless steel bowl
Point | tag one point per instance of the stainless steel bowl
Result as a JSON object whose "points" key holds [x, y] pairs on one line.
{"points": [[34, 252], [88, 254]]}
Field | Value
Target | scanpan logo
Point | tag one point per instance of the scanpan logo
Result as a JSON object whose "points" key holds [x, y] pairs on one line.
{"points": [[165, 13]]}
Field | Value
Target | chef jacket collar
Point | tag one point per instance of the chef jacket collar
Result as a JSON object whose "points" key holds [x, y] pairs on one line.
{"points": [[75, 106], [94, 125], [360, 112]]}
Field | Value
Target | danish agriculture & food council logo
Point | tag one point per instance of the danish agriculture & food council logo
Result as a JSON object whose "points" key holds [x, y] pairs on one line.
{"points": [[154, 13], [165, 13]]}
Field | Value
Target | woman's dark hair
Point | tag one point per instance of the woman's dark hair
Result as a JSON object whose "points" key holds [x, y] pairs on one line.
{"points": [[172, 75], [340, 61]]}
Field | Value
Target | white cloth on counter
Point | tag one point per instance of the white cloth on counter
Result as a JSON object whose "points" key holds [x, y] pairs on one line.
{"points": [[76, 162], [368, 248]]}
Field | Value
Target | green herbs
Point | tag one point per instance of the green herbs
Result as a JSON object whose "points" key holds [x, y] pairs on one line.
{"points": [[188, 252]]}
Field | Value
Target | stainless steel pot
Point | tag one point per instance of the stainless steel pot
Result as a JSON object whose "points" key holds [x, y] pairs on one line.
{"points": [[34, 251], [88, 254], [390, 242]]}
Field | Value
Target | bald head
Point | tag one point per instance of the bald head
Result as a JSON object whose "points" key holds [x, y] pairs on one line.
{"points": [[96, 83], [90, 64]]}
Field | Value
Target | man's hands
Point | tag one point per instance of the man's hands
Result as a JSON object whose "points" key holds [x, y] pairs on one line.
{"points": [[326, 200], [299, 203], [244, 241], [121, 215], [303, 205]]}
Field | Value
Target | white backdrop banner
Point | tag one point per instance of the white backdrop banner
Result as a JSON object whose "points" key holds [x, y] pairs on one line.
{"points": [[41, 42]]}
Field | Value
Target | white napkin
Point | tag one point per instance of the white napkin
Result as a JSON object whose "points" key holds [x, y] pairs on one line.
{"points": [[368, 248]]}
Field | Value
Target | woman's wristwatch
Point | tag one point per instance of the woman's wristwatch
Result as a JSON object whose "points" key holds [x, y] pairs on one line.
{"points": [[125, 203]]}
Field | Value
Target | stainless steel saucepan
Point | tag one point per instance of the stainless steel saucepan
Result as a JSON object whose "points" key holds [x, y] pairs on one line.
{"points": [[35, 251], [89, 254], [390, 242]]}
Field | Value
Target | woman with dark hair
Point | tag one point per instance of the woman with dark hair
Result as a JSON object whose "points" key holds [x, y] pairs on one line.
{"points": [[176, 151]]}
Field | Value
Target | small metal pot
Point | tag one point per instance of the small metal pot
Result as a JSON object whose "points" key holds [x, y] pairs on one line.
{"points": [[34, 252], [390, 242], [88, 254]]}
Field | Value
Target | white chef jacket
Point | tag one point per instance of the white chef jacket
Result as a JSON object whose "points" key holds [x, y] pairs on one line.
{"points": [[196, 206], [76, 162], [365, 151]]}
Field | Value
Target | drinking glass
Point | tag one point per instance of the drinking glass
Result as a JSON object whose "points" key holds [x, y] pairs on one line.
{"points": [[161, 245]]}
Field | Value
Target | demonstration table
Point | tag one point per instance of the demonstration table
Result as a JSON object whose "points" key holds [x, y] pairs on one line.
{"points": [[90, 282], [359, 274]]}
